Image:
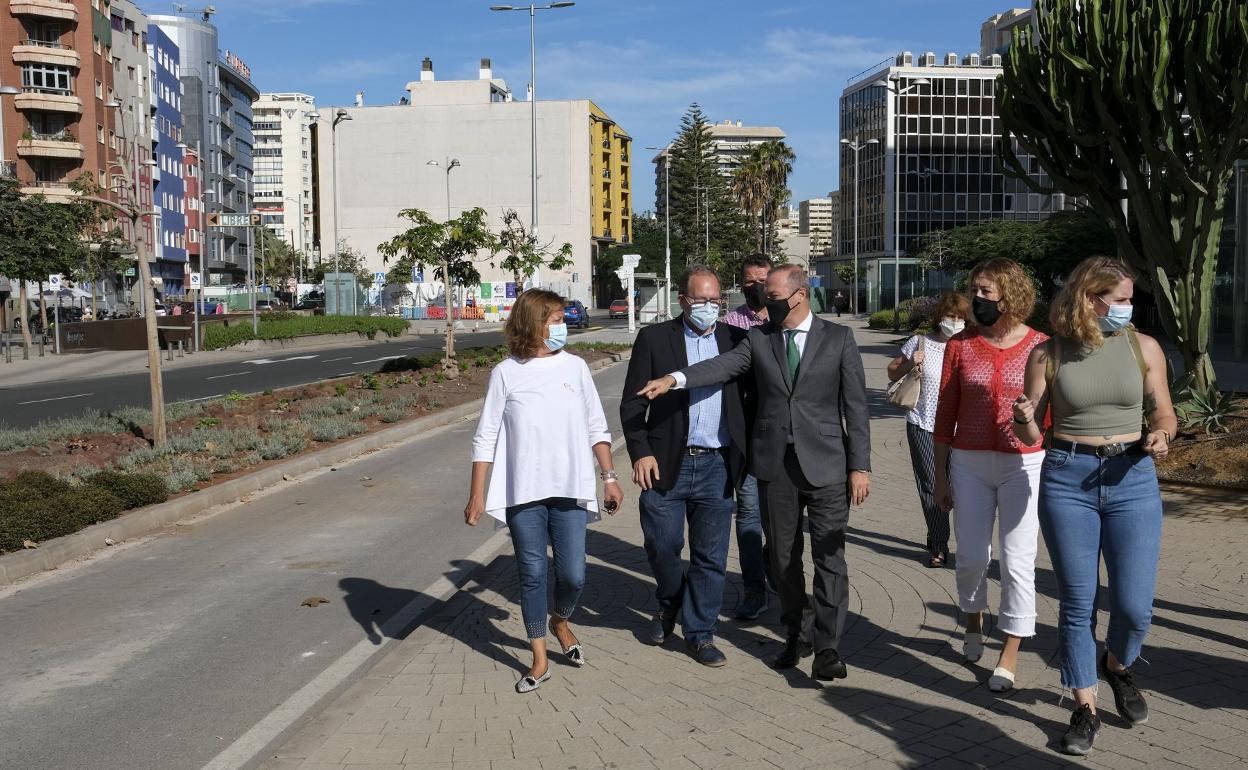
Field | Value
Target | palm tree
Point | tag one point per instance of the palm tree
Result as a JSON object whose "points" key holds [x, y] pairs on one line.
{"points": [[749, 187], [777, 160]]}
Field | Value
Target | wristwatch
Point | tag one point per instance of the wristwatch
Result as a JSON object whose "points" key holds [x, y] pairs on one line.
{"points": [[609, 477]]}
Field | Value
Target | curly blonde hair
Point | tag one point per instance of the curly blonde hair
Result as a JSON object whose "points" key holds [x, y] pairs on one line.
{"points": [[526, 326], [1072, 315], [1018, 293]]}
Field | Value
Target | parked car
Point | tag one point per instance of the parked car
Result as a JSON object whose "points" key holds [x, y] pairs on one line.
{"points": [[268, 305], [618, 309], [576, 315]]}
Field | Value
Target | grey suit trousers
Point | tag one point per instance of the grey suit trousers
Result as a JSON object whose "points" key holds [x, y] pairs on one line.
{"points": [[827, 508]]}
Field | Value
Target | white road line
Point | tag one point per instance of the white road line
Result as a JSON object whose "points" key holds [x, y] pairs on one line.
{"points": [[375, 360], [250, 744], [221, 376], [205, 398], [331, 360], [58, 398], [345, 374]]}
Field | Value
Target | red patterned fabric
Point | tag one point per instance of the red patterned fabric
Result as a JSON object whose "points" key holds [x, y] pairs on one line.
{"points": [[978, 386]]}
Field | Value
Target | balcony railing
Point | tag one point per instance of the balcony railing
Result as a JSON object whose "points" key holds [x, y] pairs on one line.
{"points": [[59, 136], [606, 144], [42, 90], [623, 157], [43, 43], [606, 174]]}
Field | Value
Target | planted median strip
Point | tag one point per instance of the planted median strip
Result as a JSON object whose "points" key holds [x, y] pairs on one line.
{"points": [[284, 326], [90, 466]]}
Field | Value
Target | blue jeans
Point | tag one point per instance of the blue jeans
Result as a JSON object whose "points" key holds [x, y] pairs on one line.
{"points": [[559, 522], [750, 537], [702, 495], [1092, 507]]}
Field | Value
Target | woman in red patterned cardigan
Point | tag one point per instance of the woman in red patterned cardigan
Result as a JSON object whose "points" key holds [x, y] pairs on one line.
{"points": [[984, 473]]}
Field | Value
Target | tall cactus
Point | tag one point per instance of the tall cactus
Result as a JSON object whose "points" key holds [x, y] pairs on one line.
{"points": [[1142, 101]]}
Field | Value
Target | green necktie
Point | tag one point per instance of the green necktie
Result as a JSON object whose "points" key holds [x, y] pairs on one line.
{"points": [[795, 358]]}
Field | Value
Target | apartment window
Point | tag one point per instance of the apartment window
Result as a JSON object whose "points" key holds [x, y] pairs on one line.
{"points": [[96, 46], [130, 73], [99, 133], [47, 77]]}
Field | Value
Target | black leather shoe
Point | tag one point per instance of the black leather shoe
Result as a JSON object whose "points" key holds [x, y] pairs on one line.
{"points": [[828, 666], [661, 628], [706, 653], [794, 650]]}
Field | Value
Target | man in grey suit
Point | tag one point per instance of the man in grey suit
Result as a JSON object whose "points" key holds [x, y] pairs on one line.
{"points": [[810, 448]]}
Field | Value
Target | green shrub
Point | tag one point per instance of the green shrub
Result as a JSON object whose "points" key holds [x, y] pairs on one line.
{"points": [[208, 422], [340, 388], [89, 505], [393, 413], [372, 382], [134, 490], [60, 429], [883, 319], [26, 513], [44, 484], [280, 326]]}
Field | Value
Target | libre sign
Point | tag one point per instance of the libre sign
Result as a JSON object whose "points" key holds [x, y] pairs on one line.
{"points": [[233, 220]]}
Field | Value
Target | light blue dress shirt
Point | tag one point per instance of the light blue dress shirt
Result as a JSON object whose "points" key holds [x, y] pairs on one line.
{"points": [[707, 427]]}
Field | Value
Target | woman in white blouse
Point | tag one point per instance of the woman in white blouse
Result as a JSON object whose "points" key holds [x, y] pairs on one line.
{"points": [[928, 352], [541, 428]]}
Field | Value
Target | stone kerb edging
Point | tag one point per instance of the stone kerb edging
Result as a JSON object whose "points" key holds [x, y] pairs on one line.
{"points": [[59, 551]]}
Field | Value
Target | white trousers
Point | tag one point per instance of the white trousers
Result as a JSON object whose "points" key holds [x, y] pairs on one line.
{"points": [[987, 487]]}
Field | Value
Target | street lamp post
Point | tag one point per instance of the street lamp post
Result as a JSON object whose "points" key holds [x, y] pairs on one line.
{"points": [[532, 10], [856, 145], [339, 116], [892, 88], [203, 245], [667, 227]]}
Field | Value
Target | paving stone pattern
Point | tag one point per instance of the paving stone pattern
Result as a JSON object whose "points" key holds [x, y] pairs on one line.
{"points": [[443, 697]]}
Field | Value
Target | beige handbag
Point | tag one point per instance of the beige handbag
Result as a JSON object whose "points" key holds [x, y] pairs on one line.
{"points": [[905, 391]]}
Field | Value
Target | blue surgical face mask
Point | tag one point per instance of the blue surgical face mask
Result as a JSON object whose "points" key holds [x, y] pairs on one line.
{"points": [[557, 337], [1116, 318], [703, 315]]}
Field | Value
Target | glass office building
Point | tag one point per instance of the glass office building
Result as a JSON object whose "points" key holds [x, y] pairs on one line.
{"points": [[933, 167]]}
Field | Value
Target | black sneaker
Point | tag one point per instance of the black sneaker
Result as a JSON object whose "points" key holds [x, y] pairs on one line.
{"points": [[1084, 725], [1131, 704], [706, 653], [661, 628]]}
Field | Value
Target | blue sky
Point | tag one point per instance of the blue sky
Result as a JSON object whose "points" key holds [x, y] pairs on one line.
{"points": [[780, 63]]}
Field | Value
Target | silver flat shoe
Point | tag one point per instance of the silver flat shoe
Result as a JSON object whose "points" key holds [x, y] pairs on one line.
{"points": [[575, 654], [529, 683]]}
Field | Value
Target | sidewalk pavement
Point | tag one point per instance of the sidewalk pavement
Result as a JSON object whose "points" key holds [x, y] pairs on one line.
{"points": [[443, 697], [105, 363]]}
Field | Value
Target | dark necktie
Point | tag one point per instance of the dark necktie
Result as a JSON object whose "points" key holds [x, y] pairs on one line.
{"points": [[795, 358]]}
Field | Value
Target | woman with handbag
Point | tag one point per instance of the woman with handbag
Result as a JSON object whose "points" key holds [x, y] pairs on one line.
{"points": [[916, 377]]}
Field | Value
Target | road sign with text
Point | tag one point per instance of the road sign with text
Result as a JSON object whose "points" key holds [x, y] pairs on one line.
{"points": [[233, 220]]}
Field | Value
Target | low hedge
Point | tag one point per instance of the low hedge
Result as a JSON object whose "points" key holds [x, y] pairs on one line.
{"points": [[37, 506], [284, 327], [883, 319]]}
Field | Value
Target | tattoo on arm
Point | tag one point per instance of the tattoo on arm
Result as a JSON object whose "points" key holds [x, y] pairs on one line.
{"points": [[1150, 402]]}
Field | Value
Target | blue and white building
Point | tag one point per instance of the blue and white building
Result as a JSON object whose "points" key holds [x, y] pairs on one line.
{"points": [[169, 189]]}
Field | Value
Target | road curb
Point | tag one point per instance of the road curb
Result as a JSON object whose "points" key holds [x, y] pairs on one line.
{"points": [[59, 551]]}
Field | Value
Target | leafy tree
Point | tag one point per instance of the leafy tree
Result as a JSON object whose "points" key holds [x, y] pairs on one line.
{"points": [[37, 238], [524, 253], [699, 192], [281, 260], [1050, 248], [108, 252], [349, 260], [1142, 102], [452, 248]]}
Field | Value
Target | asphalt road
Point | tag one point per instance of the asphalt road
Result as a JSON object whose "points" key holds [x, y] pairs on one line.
{"points": [[26, 405], [162, 653]]}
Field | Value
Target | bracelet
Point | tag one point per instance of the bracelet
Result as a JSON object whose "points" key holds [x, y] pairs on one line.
{"points": [[1021, 422], [609, 476], [1164, 433]]}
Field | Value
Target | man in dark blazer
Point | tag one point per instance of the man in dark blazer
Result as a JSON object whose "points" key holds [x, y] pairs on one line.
{"points": [[810, 448], [688, 457]]}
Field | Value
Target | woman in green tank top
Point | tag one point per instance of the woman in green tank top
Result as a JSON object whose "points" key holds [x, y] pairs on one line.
{"points": [[1105, 387]]}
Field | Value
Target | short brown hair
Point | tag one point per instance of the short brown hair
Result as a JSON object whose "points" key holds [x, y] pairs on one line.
{"points": [[1071, 315], [526, 326], [1018, 293], [952, 304]]}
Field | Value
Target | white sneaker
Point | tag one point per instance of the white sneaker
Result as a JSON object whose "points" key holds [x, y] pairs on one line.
{"points": [[973, 646], [1002, 679]]}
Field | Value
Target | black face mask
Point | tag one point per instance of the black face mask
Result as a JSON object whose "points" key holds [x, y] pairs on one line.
{"points": [[985, 311], [755, 298], [778, 309]]}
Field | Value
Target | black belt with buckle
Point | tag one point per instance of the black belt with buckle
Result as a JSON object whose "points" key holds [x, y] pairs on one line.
{"points": [[701, 450], [1102, 450]]}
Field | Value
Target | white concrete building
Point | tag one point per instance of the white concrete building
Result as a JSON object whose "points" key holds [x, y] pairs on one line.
{"points": [[385, 158], [816, 218], [997, 33], [283, 166]]}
